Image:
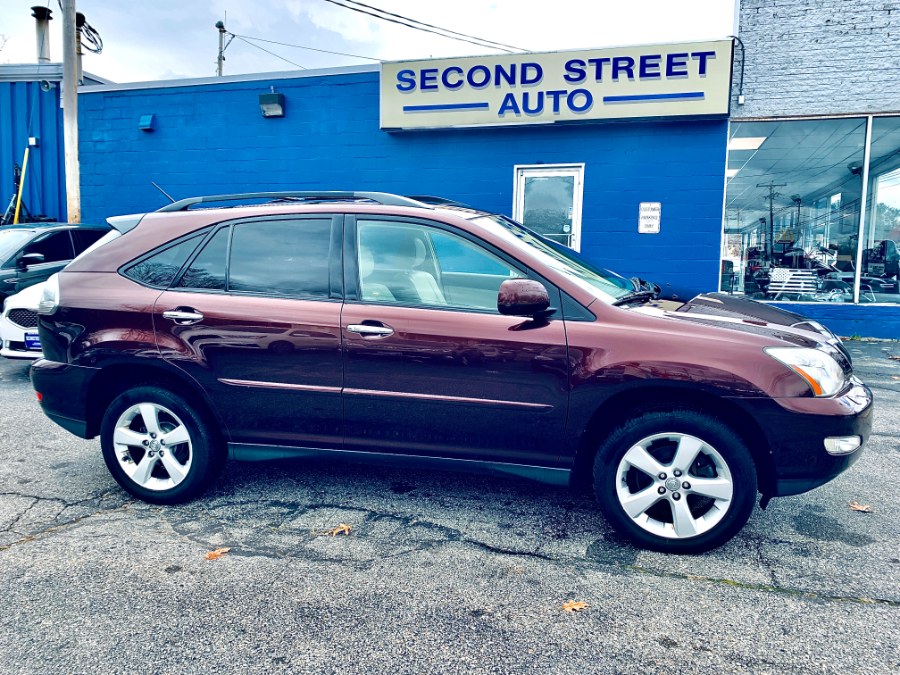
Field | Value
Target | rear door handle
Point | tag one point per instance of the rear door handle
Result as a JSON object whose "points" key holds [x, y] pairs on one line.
{"points": [[368, 330], [183, 316]]}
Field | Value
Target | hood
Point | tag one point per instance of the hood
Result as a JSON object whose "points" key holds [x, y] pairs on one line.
{"points": [[748, 316], [26, 299]]}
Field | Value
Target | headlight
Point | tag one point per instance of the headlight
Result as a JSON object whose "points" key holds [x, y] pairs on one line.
{"points": [[49, 296], [823, 374]]}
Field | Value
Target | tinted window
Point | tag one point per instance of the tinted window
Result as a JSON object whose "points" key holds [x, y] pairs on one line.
{"points": [[208, 268], [84, 238], [281, 257], [10, 242], [160, 269], [55, 247]]}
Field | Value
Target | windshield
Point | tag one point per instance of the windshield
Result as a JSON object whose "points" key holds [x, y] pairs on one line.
{"points": [[12, 240], [562, 259]]}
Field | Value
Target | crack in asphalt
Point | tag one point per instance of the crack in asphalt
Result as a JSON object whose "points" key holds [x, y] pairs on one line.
{"points": [[444, 536]]}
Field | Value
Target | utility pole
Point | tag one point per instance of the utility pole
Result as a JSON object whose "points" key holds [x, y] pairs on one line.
{"points": [[220, 61], [70, 111], [770, 234]]}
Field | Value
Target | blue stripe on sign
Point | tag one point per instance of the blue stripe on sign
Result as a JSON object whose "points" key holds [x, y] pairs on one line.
{"points": [[652, 97], [446, 106]]}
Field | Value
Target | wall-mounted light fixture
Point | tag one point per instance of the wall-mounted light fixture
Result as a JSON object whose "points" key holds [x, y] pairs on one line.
{"points": [[146, 122], [271, 104]]}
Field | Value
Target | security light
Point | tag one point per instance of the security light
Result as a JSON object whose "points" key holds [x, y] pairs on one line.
{"points": [[271, 105]]}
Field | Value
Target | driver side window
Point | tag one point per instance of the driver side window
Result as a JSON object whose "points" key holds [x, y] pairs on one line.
{"points": [[413, 264], [55, 247]]}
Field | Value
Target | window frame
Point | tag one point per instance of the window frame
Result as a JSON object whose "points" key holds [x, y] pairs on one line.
{"points": [[351, 264], [335, 290]]}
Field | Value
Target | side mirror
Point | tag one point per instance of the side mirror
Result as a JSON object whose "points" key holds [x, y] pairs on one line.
{"points": [[27, 259], [522, 297]]}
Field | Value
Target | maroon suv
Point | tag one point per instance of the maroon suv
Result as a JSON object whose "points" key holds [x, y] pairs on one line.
{"points": [[370, 325]]}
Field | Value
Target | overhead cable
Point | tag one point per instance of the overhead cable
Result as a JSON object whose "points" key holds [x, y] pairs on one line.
{"points": [[277, 56], [418, 25], [312, 49]]}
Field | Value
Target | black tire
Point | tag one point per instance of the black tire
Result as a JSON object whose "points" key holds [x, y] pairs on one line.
{"points": [[611, 476], [205, 450]]}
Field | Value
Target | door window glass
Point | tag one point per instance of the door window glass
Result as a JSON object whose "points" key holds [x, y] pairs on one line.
{"points": [[548, 201], [55, 247], [84, 238], [207, 271], [160, 269], [418, 265], [281, 257]]}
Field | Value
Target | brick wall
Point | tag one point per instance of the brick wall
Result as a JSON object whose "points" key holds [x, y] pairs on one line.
{"points": [[211, 139], [807, 57]]}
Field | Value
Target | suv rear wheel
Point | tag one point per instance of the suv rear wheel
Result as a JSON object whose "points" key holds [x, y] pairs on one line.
{"points": [[158, 447], [675, 481]]}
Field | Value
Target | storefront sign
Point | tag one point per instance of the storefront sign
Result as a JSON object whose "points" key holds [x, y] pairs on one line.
{"points": [[649, 216], [651, 81]]}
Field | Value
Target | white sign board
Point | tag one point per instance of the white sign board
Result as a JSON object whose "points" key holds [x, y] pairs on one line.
{"points": [[691, 78], [649, 215]]}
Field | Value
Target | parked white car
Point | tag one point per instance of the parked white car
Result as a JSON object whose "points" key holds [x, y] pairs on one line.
{"points": [[18, 324]]}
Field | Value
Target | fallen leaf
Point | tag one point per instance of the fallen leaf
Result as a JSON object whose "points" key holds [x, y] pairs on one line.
{"points": [[343, 528], [574, 605], [218, 553], [862, 508]]}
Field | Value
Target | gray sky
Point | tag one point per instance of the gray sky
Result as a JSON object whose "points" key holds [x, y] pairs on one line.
{"points": [[167, 39]]}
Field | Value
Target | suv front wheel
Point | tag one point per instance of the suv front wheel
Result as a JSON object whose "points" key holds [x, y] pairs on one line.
{"points": [[158, 447], [675, 481]]}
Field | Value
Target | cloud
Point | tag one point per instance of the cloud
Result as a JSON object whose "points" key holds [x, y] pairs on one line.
{"points": [[145, 41]]}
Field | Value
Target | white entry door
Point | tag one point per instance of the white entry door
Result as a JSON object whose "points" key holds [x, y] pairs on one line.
{"points": [[547, 199]]}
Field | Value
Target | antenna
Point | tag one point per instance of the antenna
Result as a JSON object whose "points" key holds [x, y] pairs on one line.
{"points": [[168, 196]]}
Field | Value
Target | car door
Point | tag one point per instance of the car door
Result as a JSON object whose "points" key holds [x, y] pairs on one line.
{"points": [[254, 318], [430, 366], [57, 252]]}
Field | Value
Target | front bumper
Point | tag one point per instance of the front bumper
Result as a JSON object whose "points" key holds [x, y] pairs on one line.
{"points": [[63, 389], [796, 429]]}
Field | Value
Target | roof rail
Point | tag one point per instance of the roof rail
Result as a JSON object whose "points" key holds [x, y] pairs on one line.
{"points": [[379, 197]]}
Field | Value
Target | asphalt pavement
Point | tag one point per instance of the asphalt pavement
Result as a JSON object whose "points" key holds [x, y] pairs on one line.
{"points": [[440, 572]]}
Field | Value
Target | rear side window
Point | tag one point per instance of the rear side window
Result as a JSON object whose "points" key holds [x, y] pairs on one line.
{"points": [[281, 257], [160, 269], [207, 271]]}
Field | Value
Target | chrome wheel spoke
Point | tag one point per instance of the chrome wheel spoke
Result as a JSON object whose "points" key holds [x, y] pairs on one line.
{"points": [[144, 469], [642, 460], [683, 521], [637, 503], [717, 488], [125, 436], [178, 435], [150, 415], [176, 471], [688, 449]]}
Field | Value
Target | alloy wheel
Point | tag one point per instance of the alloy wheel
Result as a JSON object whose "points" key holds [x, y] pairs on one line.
{"points": [[153, 446]]}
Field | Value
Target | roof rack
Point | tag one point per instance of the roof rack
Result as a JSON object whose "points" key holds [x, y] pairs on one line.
{"points": [[384, 198]]}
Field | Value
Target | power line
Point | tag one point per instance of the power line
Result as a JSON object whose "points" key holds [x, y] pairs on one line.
{"points": [[277, 56], [312, 49], [501, 45], [418, 25]]}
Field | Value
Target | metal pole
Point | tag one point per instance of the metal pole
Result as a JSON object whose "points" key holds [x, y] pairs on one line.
{"points": [[863, 198], [70, 112], [220, 61]]}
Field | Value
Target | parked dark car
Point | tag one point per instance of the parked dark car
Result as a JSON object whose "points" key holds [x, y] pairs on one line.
{"points": [[31, 253], [370, 326]]}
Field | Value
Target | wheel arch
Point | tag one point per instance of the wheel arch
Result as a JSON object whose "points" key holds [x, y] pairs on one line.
{"points": [[660, 398], [115, 379]]}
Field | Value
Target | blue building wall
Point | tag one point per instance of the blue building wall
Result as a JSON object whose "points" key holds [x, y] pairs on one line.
{"points": [[26, 110], [846, 320], [212, 139]]}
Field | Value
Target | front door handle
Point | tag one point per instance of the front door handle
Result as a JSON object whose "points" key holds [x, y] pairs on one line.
{"points": [[183, 316], [368, 330]]}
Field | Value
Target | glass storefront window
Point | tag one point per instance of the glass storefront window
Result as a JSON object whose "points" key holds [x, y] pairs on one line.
{"points": [[792, 209], [879, 276]]}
